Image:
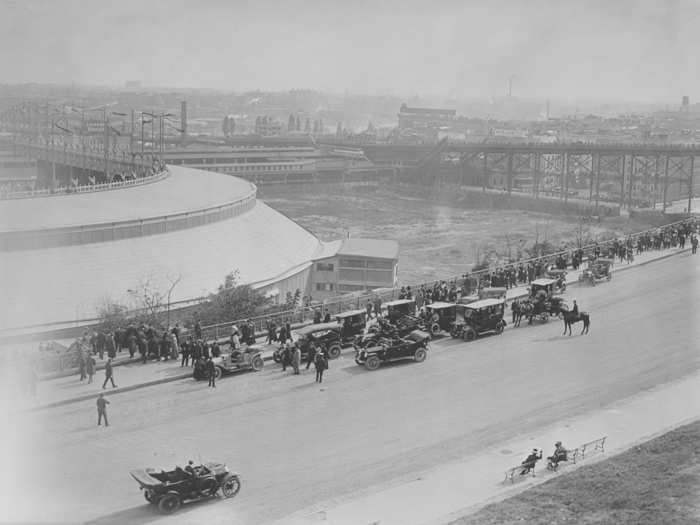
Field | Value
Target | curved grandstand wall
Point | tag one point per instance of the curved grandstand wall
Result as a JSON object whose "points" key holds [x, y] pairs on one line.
{"points": [[51, 238]]}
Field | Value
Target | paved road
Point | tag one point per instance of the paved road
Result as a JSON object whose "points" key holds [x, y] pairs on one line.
{"points": [[297, 443]]}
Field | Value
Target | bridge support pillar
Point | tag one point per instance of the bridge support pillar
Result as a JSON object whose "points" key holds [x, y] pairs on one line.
{"points": [[484, 173], [536, 177], [509, 181], [597, 184], [690, 183], [665, 182], [622, 182], [630, 182]]}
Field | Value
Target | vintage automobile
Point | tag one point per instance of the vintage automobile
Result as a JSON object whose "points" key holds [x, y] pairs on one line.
{"points": [[597, 270], [325, 336], [247, 358], [559, 276], [168, 490], [477, 318], [414, 346], [402, 314], [548, 287], [352, 323], [440, 316]]}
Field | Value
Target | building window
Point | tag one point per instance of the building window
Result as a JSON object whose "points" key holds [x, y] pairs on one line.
{"points": [[385, 264], [352, 263], [324, 267], [324, 287], [351, 287], [352, 275], [380, 276]]}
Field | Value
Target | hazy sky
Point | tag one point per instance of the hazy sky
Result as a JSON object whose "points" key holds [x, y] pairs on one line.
{"points": [[608, 49]]}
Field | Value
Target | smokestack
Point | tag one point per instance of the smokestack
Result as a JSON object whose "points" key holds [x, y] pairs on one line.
{"points": [[183, 118]]}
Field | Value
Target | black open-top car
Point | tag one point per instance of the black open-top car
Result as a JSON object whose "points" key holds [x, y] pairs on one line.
{"points": [[414, 346], [170, 489]]}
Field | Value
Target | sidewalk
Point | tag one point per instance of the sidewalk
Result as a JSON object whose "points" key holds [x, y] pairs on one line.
{"points": [[132, 374], [456, 489]]}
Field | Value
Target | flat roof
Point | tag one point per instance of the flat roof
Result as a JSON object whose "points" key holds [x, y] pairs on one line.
{"points": [[544, 282], [351, 313], [437, 305], [399, 301], [483, 303], [377, 248]]}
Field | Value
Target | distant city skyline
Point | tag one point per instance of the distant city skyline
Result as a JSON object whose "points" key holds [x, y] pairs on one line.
{"points": [[632, 51]]}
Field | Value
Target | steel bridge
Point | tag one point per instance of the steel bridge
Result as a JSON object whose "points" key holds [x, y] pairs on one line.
{"points": [[631, 172]]}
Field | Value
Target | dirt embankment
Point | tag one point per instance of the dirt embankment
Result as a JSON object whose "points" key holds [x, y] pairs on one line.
{"points": [[654, 483]]}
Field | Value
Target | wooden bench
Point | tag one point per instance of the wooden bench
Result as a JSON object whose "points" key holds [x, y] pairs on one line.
{"points": [[593, 446]]}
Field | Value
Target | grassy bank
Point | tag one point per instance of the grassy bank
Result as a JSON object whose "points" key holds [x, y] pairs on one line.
{"points": [[657, 483]]}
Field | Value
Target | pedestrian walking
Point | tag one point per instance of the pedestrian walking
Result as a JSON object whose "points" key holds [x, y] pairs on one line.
{"points": [[186, 349], [110, 346], [286, 356], [81, 363], [296, 360], [321, 364], [694, 244], [102, 410], [108, 374], [90, 368], [101, 341], [211, 370], [312, 354]]}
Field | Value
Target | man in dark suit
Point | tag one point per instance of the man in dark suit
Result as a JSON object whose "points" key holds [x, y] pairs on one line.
{"points": [[102, 410], [108, 374]]}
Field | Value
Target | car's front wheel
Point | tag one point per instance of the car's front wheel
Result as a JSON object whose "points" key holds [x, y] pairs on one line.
{"points": [[218, 372], [258, 363], [420, 355], [372, 362], [469, 334], [148, 495], [434, 328], [334, 351], [170, 503], [230, 486]]}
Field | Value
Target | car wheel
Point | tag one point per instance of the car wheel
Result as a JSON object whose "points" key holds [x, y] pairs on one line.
{"points": [[276, 357], [454, 332], [334, 351], [469, 334], [434, 328], [169, 503], [218, 372], [372, 362], [149, 496], [258, 363], [230, 486], [499, 328], [420, 355]]}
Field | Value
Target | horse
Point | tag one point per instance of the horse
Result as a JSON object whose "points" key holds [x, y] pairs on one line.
{"points": [[573, 318], [522, 309]]}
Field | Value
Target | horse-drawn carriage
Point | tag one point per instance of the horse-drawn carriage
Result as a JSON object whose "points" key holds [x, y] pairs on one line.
{"points": [[597, 270], [539, 307]]}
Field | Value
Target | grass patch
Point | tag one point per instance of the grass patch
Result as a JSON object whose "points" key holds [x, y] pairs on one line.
{"points": [[655, 483]]}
